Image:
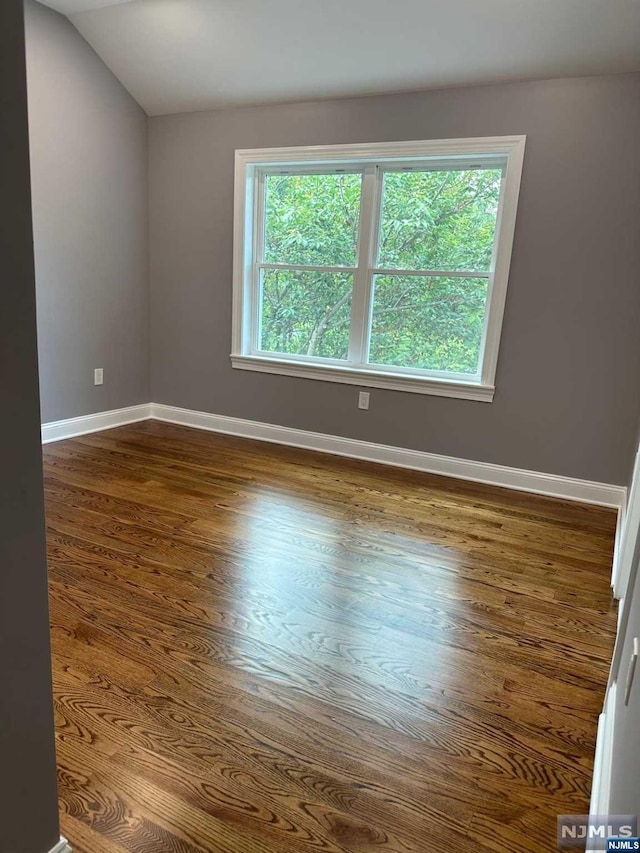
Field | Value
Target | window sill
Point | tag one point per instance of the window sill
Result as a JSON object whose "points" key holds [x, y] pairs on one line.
{"points": [[366, 378]]}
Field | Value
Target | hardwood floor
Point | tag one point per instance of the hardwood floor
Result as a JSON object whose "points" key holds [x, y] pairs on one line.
{"points": [[261, 649]]}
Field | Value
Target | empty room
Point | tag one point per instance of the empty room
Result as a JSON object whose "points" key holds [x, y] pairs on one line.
{"points": [[321, 391]]}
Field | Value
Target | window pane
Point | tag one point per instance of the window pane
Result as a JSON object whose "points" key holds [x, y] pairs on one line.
{"points": [[426, 322], [305, 313], [439, 220], [312, 220]]}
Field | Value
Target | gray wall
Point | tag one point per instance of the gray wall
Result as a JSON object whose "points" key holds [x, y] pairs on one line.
{"points": [[90, 214], [29, 808], [569, 367]]}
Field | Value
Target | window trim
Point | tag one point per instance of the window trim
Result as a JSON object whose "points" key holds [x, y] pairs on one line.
{"points": [[245, 229]]}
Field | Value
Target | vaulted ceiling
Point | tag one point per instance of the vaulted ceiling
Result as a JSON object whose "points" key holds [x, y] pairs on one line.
{"points": [[184, 55]]}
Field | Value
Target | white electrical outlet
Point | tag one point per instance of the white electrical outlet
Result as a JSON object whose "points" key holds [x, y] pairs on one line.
{"points": [[363, 400], [98, 376]]}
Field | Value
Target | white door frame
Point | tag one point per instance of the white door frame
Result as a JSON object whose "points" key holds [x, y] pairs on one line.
{"points": [[628, 536]]}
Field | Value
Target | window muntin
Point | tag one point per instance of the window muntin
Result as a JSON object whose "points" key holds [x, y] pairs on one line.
{"points": [[434, 329], [428, 221]]}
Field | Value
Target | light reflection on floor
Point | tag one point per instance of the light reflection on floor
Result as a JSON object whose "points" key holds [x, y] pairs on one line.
{"points": [[338, 601]]}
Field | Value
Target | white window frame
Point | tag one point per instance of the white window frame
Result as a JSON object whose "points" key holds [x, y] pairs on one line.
{"points": [[249, 167]]}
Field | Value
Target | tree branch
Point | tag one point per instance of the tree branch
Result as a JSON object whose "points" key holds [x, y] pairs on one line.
{"points": [[321, 327]]}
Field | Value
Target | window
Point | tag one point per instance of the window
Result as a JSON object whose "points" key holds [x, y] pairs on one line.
{"points": [[382, 265]]}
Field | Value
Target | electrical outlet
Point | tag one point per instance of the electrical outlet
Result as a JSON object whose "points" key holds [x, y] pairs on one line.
{"points": [[363, 399], [98, 376]]}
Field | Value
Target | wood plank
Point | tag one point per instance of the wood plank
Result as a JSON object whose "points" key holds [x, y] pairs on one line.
{"points": [[264, 649]]}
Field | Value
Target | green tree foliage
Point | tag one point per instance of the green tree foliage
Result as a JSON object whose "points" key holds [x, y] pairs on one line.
{"points": [[306, 313], [442, 221]]}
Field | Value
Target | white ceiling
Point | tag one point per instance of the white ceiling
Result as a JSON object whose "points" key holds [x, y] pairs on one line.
{"points": [[183, 55]]}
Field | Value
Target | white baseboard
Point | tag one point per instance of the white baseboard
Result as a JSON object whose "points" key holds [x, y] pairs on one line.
{"points": [[568, 488], [601, 786], [59, 430], [61, 847]]}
